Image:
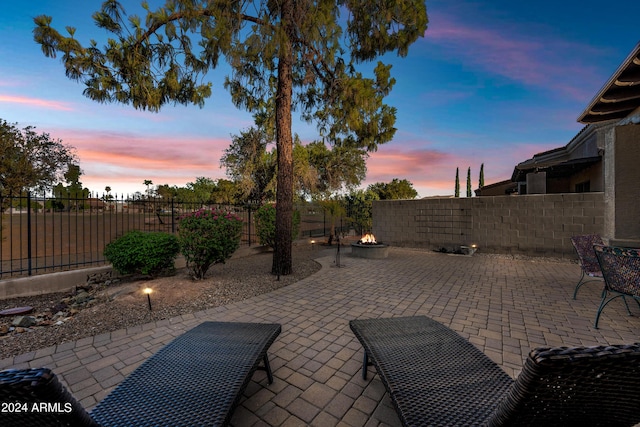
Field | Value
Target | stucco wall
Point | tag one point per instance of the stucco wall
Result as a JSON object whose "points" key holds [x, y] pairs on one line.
{"points": [[530, 224], [627, 191]]}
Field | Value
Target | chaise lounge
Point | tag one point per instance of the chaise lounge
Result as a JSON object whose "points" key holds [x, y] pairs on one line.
{"points": [[197, 379], [435, 377]]}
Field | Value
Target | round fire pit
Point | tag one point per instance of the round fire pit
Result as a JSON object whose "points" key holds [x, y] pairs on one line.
{"points": [[368, 250]]}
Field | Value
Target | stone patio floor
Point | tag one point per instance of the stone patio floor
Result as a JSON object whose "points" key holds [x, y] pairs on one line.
{"points": [[503, 306]]}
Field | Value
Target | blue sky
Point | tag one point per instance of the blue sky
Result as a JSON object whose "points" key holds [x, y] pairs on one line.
{"points": [[491, 82]]}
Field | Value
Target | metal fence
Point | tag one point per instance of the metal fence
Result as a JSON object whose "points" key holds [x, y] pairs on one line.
{"points": [[40, 234]]}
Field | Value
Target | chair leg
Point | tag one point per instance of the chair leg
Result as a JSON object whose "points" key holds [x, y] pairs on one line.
{"points": [[580, 283], [626, 305], [365, 363], [267, 368], [603, 304]]}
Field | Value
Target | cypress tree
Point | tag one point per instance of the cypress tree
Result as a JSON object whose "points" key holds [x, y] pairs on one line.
{"points": [[469, 182], [457, 191]]}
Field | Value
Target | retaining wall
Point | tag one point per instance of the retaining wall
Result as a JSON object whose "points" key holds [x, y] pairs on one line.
{"points": [[539, 225]]}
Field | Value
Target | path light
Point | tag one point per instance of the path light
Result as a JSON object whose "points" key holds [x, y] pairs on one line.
{"points": [[148, 292], [313, 242]]}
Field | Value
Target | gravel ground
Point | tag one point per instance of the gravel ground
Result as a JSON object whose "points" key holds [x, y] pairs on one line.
{"points": [[123, 305]]}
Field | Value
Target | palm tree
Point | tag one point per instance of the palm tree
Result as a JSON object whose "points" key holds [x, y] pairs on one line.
{"points": [[148, 182], [107, 196]]}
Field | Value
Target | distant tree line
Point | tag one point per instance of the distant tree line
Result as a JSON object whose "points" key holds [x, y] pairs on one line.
{"points": [[328, 176]]}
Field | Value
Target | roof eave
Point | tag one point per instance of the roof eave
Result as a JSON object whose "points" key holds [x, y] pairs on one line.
{"points": [[588, 116]]}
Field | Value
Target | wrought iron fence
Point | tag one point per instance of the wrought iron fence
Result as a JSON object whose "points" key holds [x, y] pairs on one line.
{"points": [[41, 234]]}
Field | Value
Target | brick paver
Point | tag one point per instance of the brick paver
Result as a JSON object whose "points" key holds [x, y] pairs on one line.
{"points": [[503, 306]]}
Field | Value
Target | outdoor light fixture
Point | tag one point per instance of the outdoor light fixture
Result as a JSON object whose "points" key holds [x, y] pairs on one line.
{"points": [[469, 250], [313, 242], [148, 292]]}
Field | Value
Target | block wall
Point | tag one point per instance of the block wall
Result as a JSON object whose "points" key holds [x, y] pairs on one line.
{"points": [[539, 224]]}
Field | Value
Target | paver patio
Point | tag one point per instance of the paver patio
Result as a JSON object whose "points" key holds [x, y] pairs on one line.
{"points": [[503, 306]]}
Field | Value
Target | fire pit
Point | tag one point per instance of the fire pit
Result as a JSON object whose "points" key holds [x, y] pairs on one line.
{"points": [[368, 247]]}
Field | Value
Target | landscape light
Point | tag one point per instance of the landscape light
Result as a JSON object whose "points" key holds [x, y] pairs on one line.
{"points": [[148, 292]]}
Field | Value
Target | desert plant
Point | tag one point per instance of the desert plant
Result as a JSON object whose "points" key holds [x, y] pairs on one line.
{"points": [[266, 225], [143, 253], [207, 237]]}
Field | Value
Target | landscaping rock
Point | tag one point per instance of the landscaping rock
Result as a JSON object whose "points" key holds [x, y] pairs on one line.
{"points": [[59, 315], [24, 321], [16, 311], [83, 297]]}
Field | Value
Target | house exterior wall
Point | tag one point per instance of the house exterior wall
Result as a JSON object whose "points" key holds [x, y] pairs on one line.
{"points": [[539, 225], [594, 174], [623, 176]]}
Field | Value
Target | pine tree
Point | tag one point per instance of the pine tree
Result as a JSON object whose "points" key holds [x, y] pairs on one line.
{"points": [[283, 54]]}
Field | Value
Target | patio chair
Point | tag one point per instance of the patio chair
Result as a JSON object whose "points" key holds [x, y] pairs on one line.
{"points": [[197, 379], [436, 377], [621, 271], [587, 258]]}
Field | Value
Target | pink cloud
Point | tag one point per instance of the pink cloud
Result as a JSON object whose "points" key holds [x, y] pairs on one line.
{"points": [[126, 159], [550, 63], [395, 162], [35, 102]]}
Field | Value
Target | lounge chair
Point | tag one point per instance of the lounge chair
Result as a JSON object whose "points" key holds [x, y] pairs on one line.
{"points": [[587, 258], [437, 378], [197, 379], [621, 271]]}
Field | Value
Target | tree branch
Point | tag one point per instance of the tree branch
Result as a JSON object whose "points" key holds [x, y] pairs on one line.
{"points": [[176, 16]]}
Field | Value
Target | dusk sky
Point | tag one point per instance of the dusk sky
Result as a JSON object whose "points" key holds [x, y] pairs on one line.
{"points": [[491, 82]]}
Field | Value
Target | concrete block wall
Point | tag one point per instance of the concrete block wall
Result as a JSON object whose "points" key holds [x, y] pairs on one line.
{"points": [[539, 224]]}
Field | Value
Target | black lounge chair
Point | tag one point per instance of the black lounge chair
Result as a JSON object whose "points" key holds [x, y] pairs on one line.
{"points": [[437, 378], [621, 271], [195, 380], [587, 258]]}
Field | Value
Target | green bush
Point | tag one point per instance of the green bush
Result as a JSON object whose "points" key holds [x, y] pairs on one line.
{"points": [[208, 237], [143, 253], [266, 225]]}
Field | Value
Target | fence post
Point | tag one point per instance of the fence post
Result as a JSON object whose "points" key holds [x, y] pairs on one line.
{"points": [[249, 236], [29, 233], [324, 222]]}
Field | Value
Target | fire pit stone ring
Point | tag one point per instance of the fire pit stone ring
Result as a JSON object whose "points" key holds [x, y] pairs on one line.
{"points": [[377, 251], [368, 247]]}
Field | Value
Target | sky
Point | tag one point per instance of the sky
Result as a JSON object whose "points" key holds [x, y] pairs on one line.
{"points": [[492, 82]]}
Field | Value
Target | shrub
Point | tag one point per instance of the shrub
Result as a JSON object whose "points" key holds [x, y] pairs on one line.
{"points": [[266, 225], [143, 253], [207, 237]]}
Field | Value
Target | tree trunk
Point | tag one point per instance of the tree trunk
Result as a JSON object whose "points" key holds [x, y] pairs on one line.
{"points": [[282, 261]]}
